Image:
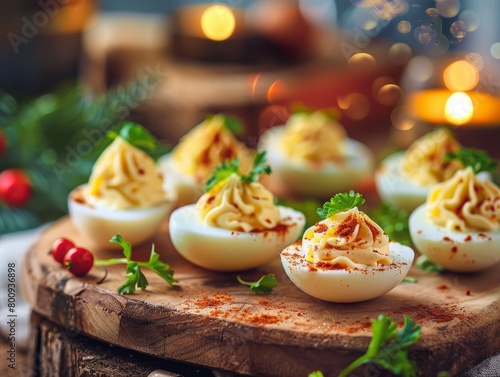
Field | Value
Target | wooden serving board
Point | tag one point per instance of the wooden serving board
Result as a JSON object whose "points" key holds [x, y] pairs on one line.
{"points": [[211, 320]]}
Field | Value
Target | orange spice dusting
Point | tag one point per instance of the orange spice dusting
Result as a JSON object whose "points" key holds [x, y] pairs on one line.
{"points": [[320, 228], [454, 249], [467, 292], [443, 287], [328, 266], [262, 319], [346, 227], [468, 238]]}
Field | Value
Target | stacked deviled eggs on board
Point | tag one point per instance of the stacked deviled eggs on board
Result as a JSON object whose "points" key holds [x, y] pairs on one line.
{"points": [[313, 157]]}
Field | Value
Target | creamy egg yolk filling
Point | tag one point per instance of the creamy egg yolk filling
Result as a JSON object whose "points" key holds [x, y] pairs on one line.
{"points": [[313, 138], [206, 146], [124, 177], [235, 205], [423, 162], [465, 203], [350, 239]]}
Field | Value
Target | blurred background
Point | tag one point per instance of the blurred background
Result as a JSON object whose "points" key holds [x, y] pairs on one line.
{"points": [[71, 70]]}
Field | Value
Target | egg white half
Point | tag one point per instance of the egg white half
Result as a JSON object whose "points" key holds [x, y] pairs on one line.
{"points": [[345, 286], [314, 181], [395, 189], [98, 225], [225, 250], [455, 251]]}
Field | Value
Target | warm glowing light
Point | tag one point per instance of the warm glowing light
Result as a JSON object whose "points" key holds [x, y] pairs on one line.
{"points": [[218, 22], [459, 108], [362, 58], [254, 83], [461, 76], [276, 92]]}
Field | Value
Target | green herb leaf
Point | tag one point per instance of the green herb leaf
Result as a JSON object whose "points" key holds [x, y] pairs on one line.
{"points": [[230, 167], [339, 203], [161, 269], [136, 135], [410, 279], [316, 373], [394, 222], [389, 348], [134, 277], [127, 247], [477, 159], [231, 124], [223, 171], [425, 264], [264, 285], [299, 108], [259, 167]]}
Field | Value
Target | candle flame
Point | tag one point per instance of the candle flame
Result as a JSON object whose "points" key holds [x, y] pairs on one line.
{"points": [[459, 108], [218, 22]]}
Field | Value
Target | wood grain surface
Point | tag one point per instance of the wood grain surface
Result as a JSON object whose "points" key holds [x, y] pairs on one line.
{"points": [[211, 320]]}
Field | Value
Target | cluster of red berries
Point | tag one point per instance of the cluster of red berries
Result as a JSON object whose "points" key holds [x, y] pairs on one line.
{"points": [[15, 185], [76, 260]]}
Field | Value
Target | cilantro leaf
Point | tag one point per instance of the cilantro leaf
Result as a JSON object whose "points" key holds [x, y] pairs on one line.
{"points": [[339, 203], [223, 171], [477, 159], [389, 348], [410, 279], [135, 134], [134, 277], [259, 167], [231, 124], [394, 222], [230, 167], [425, 264], [264, 285]]}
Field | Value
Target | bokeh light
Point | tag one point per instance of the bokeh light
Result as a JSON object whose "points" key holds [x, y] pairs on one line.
{"points": [[400, 120], [354, 105], [421, 69], [404, 27], [218, 22], [471, 20], [461, 76], [459, 108], [475, 59], [495, 50], [448, 8], [390, 95], [319, 10], [400, 53]]}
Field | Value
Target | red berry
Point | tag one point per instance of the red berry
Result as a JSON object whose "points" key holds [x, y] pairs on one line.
{"points": [[78, 261], [15, 187], [60, 247]]}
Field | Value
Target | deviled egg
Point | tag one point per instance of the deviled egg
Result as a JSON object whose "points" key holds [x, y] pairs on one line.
{"points": [[201, 150], [312, 155], [403, 179], [458, 227], [124, 194], [346, 257], [235, 225]]}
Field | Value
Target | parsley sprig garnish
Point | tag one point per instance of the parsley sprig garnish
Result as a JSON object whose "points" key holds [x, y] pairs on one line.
{"points": [[134, 277], [231, 124], [299, 108], [388, 348], [477, 159], [264, 285], [140, 137], [341, 202], [230, 167]]}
